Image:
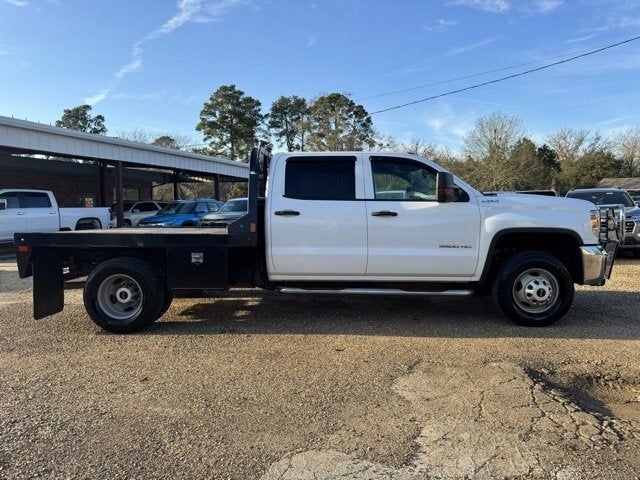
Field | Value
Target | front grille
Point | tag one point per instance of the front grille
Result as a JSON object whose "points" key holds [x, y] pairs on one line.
{"points": [[628, 226]]}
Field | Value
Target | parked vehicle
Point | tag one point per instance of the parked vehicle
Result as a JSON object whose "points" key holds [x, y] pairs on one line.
{"points": [[182, 213], [613, 197], [37, 211], [232, 210], [635, 195], [136, 211], [322, 224]]}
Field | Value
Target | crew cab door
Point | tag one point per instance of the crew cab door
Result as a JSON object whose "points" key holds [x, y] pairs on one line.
{"points": [[410, 234], [12, 218], [317, 223], [42, 215]]}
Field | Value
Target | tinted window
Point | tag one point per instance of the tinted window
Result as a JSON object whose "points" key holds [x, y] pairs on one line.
{"points": [[36, 200], [12, 199], [401, 179], [146, 207], [213, 207], [604, 197], [179, 207], [239, 205], [321, 178], [126, 206]]}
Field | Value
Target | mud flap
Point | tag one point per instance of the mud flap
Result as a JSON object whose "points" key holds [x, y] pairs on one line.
{"points": [[48, 289]]}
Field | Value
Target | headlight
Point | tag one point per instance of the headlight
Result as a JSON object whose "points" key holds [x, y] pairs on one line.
{"points": [[594, 216]]}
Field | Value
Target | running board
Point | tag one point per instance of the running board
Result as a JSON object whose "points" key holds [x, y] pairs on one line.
{"points": [[378, 291]]}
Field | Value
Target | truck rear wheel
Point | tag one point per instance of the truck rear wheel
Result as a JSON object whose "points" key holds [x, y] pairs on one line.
{"points": [[533, 289], [124, 295]]}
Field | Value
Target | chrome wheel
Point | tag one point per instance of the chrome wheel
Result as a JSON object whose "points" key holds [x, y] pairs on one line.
{"points": [[536, 290], [120, 297]]}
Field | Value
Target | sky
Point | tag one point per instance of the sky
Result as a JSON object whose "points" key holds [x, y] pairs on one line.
{"points": [[150, 64]]}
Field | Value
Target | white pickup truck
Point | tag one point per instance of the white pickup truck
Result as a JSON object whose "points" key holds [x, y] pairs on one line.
{"points": [[37, 211], [339, 223]]}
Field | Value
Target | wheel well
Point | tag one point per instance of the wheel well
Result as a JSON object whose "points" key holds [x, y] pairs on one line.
{"points": [[87, 220], [563, 246]]}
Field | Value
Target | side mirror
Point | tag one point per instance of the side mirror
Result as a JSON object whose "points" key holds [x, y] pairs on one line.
{"points": [[637, 204], [3, 203], [135, 210], [446, 189]]}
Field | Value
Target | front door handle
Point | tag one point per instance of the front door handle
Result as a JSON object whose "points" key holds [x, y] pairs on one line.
{"points": [[286, 213], [384, 213]]}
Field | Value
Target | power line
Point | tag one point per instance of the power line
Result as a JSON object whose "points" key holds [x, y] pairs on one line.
{"points": [[508, 77], [465, 77]]}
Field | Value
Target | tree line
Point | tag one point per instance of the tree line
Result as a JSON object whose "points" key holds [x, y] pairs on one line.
{"points": [[496, 154]]}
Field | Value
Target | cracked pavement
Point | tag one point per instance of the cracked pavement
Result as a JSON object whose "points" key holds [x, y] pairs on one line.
{"points": [[256, 385]]}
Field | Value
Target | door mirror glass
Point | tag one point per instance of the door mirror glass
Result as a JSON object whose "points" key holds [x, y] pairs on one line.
{"points": [[448, 191], [3, 204]]}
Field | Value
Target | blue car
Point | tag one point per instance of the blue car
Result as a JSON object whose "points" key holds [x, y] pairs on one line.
{"points": [[182, 213]]}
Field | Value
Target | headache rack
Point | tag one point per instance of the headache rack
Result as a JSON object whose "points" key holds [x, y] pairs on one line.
{"points": [[612, 232]]}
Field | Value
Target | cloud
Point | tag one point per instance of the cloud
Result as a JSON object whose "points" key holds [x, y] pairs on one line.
{"points": [[29, 3], [504, 6], [311, 41], [455, 51], [188, 11], [440, 25], [580, 39], [97, 97], [493, 6], [545, 6], [5, 50]]}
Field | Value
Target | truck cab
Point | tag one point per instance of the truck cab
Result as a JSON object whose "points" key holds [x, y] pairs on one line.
{"points": [[340, 223]]}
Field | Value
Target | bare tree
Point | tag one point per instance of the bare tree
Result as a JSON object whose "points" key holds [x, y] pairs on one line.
{"points": [[136, 135], [626, 146], [571, 143], [496, 134], [489, 146]]}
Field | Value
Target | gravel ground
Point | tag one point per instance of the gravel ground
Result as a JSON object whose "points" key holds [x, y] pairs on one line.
{"points": [[258, 385]]}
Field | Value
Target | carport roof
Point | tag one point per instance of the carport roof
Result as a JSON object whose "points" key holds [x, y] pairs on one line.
{"points": [[21, 136]]}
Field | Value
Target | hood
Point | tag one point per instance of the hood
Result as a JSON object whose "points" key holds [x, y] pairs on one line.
{"points": [[517, 210], [632, 213], [525, 201], [223, 216]]}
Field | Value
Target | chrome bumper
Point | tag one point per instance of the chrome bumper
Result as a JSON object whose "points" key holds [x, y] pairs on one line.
{"points": [[597, 262]]}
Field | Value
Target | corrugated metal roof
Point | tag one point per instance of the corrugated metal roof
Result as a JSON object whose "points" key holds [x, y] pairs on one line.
{"points": [[629, 183], [39, 138]]}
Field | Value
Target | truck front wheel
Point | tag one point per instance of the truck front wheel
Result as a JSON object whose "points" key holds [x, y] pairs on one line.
{"points": [[124, 295], [533, 289]]}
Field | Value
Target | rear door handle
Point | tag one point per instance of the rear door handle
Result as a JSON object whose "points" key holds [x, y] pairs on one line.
{"points": [[19, 213], [286, 213], [384, 213]]}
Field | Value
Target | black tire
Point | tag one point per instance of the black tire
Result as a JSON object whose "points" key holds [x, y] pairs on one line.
{"points": [[508, 289], [146, 279], [168, 298], [126, 223]]}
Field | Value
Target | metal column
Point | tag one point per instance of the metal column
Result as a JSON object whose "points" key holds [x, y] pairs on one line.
{"points": [[176, 193], [119, 194], [216, 183], [102, 171]]}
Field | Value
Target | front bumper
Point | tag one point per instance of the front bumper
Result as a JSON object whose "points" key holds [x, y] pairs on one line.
{"points": [[597, 262]]}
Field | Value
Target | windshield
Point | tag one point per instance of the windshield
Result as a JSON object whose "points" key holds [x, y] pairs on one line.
{"points": [[604, 197], [234, 206], [178, 207]]}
